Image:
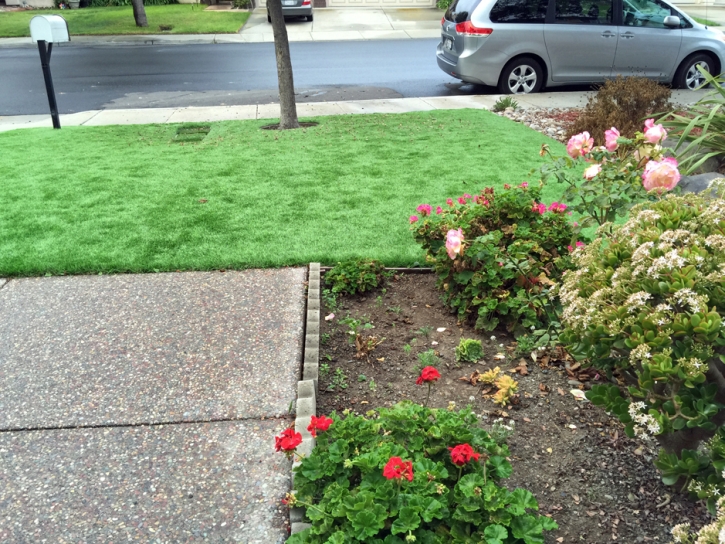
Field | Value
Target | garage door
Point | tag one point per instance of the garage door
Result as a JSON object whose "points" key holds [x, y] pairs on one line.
{"points": [[381, 3]]}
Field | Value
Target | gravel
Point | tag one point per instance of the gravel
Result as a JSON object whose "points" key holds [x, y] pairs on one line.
{"points": [[552, 122]]}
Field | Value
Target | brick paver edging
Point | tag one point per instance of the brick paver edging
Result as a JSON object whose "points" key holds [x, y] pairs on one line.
{"points": [[307, 387]]}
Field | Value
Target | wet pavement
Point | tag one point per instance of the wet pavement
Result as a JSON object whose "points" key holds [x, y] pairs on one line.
{"points": [[88, 362]]}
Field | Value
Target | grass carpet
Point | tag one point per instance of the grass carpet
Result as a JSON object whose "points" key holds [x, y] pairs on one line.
{"points": [[183, 18], [136, 198]]}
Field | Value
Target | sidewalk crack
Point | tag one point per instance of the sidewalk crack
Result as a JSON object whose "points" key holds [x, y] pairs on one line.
{"points": [[286, 416]]}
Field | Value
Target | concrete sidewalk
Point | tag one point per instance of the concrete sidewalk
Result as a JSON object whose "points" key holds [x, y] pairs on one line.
{"points": [[312, 109], [144, 407]]}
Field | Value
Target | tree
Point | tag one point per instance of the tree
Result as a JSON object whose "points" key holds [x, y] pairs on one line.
{"points": [[287, 106], [139, 13]]}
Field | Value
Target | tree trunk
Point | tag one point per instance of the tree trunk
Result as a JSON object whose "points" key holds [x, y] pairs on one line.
{"points": [[287, 106], [139, 13]]}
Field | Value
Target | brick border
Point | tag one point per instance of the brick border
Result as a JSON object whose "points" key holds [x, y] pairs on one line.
{"points": [[307, 386]]}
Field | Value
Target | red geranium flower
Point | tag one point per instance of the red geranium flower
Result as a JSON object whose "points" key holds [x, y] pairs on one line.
{"points": [[396, 469], [462, 454], [321, 423], [287, 441], [429, 374]]}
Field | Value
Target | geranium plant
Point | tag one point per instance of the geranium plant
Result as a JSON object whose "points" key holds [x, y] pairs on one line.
{"points": [[645, 305], [497, 254], [617, 175], [412, 474]]}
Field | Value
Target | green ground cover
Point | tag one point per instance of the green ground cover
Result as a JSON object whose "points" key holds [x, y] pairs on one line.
{"points": [[136, 198], [708, 22], [183, 19]]}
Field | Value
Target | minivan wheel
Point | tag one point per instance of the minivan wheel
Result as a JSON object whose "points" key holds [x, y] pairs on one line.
{"points": [[688, 76], [521, 76]]}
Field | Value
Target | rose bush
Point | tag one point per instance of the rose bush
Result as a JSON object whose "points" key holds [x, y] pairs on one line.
{"points": [[645, 305], [496, 255], [412, 474], [620, 173]]}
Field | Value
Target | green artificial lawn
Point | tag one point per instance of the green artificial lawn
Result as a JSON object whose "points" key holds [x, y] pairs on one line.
{"points": [[139, 198], [707, 22], [183, 18]]}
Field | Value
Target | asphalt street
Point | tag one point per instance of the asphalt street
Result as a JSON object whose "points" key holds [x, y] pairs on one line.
{"points": [[95, 77]]}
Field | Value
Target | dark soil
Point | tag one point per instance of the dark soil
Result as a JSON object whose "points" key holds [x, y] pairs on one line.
{"points": [[596, 483]]}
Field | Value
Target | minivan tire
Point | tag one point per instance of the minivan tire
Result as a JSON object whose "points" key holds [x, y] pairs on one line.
{"points": [[688, 76], [526, 67], [310, 18]]}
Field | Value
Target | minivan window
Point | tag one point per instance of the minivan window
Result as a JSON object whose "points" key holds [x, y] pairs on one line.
{"points": [[583, 12], [519, 11], [648, 13], [461, 10]]}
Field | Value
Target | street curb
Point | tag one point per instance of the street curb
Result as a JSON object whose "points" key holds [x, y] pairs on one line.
{"points": [[307, 386]]}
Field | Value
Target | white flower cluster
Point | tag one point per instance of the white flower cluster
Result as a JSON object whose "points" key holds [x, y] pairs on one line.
{"points": [[714, 533], [669, 261], [644, 423], [687, 297], [636, 301], [692, 366], [640, 353]]}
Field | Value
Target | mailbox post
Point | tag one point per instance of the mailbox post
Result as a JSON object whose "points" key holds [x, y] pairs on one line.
{"points": [[47, 30]]}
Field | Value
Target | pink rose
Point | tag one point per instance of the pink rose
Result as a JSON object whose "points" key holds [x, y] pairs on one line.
{"points": [[580, 244], [592, 171], [461, 200], [557, 207], [413, 218], [610, 139], [506, 186], [524, 185], [439, 210], [466, 195], [661, 175], [453, 242], [424, 209], [449, 201], [654, 134], [579, 145], [541, 208]]}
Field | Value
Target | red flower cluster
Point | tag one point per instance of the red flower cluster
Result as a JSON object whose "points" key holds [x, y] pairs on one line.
{"points": [[462, 454], [287, 441], [396, 469], [429, 374], [321, 423]]}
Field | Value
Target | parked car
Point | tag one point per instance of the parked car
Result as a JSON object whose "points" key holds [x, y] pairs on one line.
{"points": [[521, 46], [295, 8]]}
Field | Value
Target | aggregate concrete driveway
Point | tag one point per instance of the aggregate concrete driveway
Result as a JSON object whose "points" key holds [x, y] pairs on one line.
{"points": [[143, 407]]}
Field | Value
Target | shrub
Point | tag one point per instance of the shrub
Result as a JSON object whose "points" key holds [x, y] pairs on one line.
{"points": [[505, 102], [412, 474], [353, 277], [714, 533], [497, 254], [619, 174], [646, 304], [120, 3], [242, 4], [621, 103], [444, 4], [702, 130], [469, 350]]}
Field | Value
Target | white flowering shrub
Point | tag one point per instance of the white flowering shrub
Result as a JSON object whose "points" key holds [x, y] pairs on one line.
{"points": [[645, 306], [713, 533]]}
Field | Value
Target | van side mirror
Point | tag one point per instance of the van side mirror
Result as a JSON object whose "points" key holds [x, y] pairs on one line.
{"points": [[672, 21]]}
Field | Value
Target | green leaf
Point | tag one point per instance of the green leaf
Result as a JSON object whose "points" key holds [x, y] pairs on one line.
{"points": [[501, 467], [369, 522], [528, 528], [408, 520], [520, 500], [495, 534]]}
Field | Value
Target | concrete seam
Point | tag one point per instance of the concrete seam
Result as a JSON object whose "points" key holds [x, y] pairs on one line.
{"points": [[4, 281], [91, 117], [307, 387]]}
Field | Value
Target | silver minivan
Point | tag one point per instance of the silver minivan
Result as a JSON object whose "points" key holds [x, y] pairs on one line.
{"points": [[521, 46]]}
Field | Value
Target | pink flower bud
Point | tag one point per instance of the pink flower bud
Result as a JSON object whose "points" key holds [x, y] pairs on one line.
{"points": [[454, 239], [461, 200], [592, 171], [424, 209], [524, 185], [449, 201], [610, 139], [413, 218], [661, 175], [654, 134], [439, 210], [579, 145]]}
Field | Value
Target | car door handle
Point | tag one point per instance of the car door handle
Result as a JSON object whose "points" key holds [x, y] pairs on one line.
{"points": [[608, 34], [627, 35]]}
